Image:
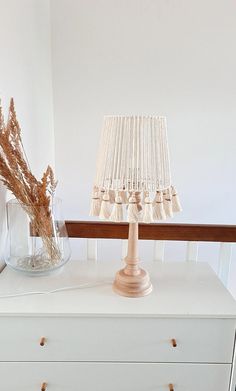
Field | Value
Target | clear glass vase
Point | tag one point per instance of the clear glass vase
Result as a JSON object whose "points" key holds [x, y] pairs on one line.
{"points": [[37, 241]]}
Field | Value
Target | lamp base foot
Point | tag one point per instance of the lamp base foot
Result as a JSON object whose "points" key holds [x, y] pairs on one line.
{"points": [[132, 285]]}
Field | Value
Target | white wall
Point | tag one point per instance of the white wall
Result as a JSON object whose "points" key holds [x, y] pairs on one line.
{"points": [[25, 74], [175, 58]]}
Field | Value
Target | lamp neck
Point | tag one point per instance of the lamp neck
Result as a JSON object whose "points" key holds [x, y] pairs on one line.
{"points": [[132, 260]]}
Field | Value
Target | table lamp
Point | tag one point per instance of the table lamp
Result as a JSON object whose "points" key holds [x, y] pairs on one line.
{"points": [[133, 174]]}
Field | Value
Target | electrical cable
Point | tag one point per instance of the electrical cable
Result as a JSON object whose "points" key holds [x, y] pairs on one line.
{"points": [[65, 288]]}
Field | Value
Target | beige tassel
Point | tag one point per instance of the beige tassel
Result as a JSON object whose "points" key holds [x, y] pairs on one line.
{"points": [[117, 210], [168, 203], [148, 211], [105, 207], [158, 208], [144, 196], [176, 206], [133, 210], [95, 205], [112, 196], [124, 198], [102, 192]]}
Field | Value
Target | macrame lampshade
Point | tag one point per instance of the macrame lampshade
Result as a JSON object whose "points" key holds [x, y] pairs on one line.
{"points": [[133, 168]]}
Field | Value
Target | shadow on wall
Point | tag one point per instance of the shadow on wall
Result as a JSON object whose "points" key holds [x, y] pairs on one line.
{"points": [[3, 228]]}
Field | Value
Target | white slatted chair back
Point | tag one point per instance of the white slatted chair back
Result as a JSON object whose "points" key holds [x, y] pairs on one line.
{"points": [[224, 262], [224, 259]]}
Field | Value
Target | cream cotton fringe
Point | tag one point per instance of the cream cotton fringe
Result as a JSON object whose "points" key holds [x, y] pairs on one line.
{"points": [[111, 205], [133, 180]]}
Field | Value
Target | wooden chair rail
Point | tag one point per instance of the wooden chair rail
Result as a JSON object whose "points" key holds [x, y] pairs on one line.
{"points": [[182, 232]]}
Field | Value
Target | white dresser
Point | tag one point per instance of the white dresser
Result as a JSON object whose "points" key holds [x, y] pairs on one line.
{"points": [[179, 338]]}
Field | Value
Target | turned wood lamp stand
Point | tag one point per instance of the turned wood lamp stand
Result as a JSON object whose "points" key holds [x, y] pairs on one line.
{"points": [[133, 175], [132, 281]]}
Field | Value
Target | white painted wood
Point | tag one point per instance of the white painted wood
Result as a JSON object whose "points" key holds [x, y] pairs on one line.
{"points": [[159, 250], [124, 248], [92, 251], [233, 372], [94, 337], [224, 262], [181, 289], [192, 252], [114, 376], [74, 339]]}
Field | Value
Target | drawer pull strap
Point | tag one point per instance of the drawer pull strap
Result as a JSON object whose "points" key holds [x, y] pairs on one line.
{"points": [[44, 387], [174, 343], [42, 341], [171, 387]]}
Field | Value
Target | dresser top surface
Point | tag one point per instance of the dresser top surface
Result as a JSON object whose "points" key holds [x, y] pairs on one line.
{"points": [[180, 289]]}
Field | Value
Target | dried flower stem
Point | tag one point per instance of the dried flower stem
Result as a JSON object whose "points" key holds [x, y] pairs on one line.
{"points": [[34, 195]]}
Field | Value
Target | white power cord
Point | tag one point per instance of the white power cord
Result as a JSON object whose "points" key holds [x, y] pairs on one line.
{"points": [[66, 288]]}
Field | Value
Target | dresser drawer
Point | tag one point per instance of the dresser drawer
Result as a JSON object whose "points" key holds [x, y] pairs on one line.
{"points": [[114, 376], [116, 339]]}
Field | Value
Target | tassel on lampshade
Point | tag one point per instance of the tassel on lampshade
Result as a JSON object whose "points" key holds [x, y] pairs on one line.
{"points": [[133, 184]]}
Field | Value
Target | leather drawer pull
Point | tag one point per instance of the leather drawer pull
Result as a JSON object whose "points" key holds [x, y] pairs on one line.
{"points": [[174, 343], [171, 387], [42, 341], [44, 387]]}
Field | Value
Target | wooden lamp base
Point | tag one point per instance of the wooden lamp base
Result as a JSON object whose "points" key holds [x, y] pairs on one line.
{"points": [[132, 281], [132, 286]]}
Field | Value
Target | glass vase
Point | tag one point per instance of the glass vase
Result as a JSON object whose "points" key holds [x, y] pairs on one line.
{"points": [[37, 241]]}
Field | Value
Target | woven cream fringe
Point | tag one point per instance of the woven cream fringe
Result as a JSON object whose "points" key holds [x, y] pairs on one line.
{"points": [[110, 205]]}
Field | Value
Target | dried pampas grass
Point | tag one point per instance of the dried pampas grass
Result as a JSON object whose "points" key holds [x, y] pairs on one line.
{"points": [[34, 195]]}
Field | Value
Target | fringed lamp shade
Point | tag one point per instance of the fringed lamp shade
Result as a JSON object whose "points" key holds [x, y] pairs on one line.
{"points": [[133, 168]]}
